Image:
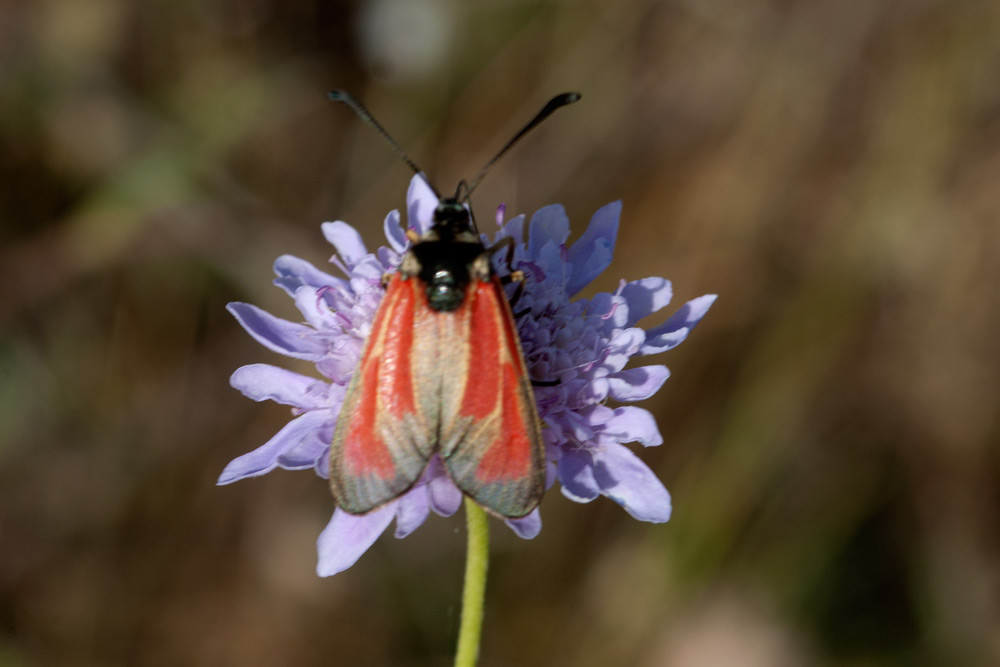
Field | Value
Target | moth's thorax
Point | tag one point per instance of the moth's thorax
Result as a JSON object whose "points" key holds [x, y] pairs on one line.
{"points": [[446, 268], [448, 257]]}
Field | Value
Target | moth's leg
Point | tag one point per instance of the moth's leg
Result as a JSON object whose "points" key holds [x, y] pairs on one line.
{"points": [[513, 275]]}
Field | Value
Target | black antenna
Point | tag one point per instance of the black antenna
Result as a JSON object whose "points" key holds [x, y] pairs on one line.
{"points": [[552, 105], [365, 115]]}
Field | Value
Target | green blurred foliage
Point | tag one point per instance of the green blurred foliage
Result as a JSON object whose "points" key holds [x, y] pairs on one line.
{"points": [[830, 169]]}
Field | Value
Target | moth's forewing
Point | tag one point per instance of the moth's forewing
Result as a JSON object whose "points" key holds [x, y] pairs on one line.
{"points": [[490, 434], [382, 440]]}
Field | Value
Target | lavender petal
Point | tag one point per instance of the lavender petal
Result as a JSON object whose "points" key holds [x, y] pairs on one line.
{"points": [[576, 474], [307, 454], [527, 527], [645, 297], [628, 481], [294, 272], [346, 240], [592, 252], [445, 498], [412, 510], [637, 384], [265, 458], [514, 228], [347, 537], [394, 232], [264, 382], [632, 424], [316, 310], [547, 224], [288, 338], [420, 204], [672, 333]]}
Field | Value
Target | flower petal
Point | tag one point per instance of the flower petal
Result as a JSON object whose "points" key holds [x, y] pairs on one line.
{"points": [[594, 391], [294, 272], [347, 240], [278, 335], [388, 258], [411, 511], [313, 451], [322, 467], [612, 309], [315, 308], [551, 473], [632, 424], [264, 459], [421, 200], [549, 258], [444, 496], [547, 224], [592, 252], [628, 481], [264, 382], [637, 384], [514, 228], [527, 527], [621, 347], [672, 333], [627, 341], [347, 537], [369, 271], [645, 297], [576, 474], [394, 231]]}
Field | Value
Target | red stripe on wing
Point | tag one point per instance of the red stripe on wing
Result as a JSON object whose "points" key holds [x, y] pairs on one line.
{"points": [[509, 456], [395, 385], [485, 354], [363, 452]]}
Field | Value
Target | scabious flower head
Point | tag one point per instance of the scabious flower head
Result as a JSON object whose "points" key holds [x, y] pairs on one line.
{"points": [[576, 348]]}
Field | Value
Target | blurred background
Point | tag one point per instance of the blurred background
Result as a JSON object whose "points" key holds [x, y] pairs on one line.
{"points": [[829, 169]]}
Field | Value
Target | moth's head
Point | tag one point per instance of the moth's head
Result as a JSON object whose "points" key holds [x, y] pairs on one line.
{"points": [[451, 219]]}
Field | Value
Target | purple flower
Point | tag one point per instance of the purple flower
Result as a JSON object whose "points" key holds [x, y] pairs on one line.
{"points": [[578, 348]]}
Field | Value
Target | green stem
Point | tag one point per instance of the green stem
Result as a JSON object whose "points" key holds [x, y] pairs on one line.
{"points": [[474, 592]]}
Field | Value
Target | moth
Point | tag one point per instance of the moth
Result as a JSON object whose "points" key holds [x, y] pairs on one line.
{"points": [[442, 371]]}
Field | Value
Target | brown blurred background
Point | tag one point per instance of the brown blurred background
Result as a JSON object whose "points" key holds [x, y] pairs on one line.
{"points": [[830, 169]]}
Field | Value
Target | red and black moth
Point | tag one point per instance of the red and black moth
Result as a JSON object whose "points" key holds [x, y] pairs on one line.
{"points": [[442, 371]]}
